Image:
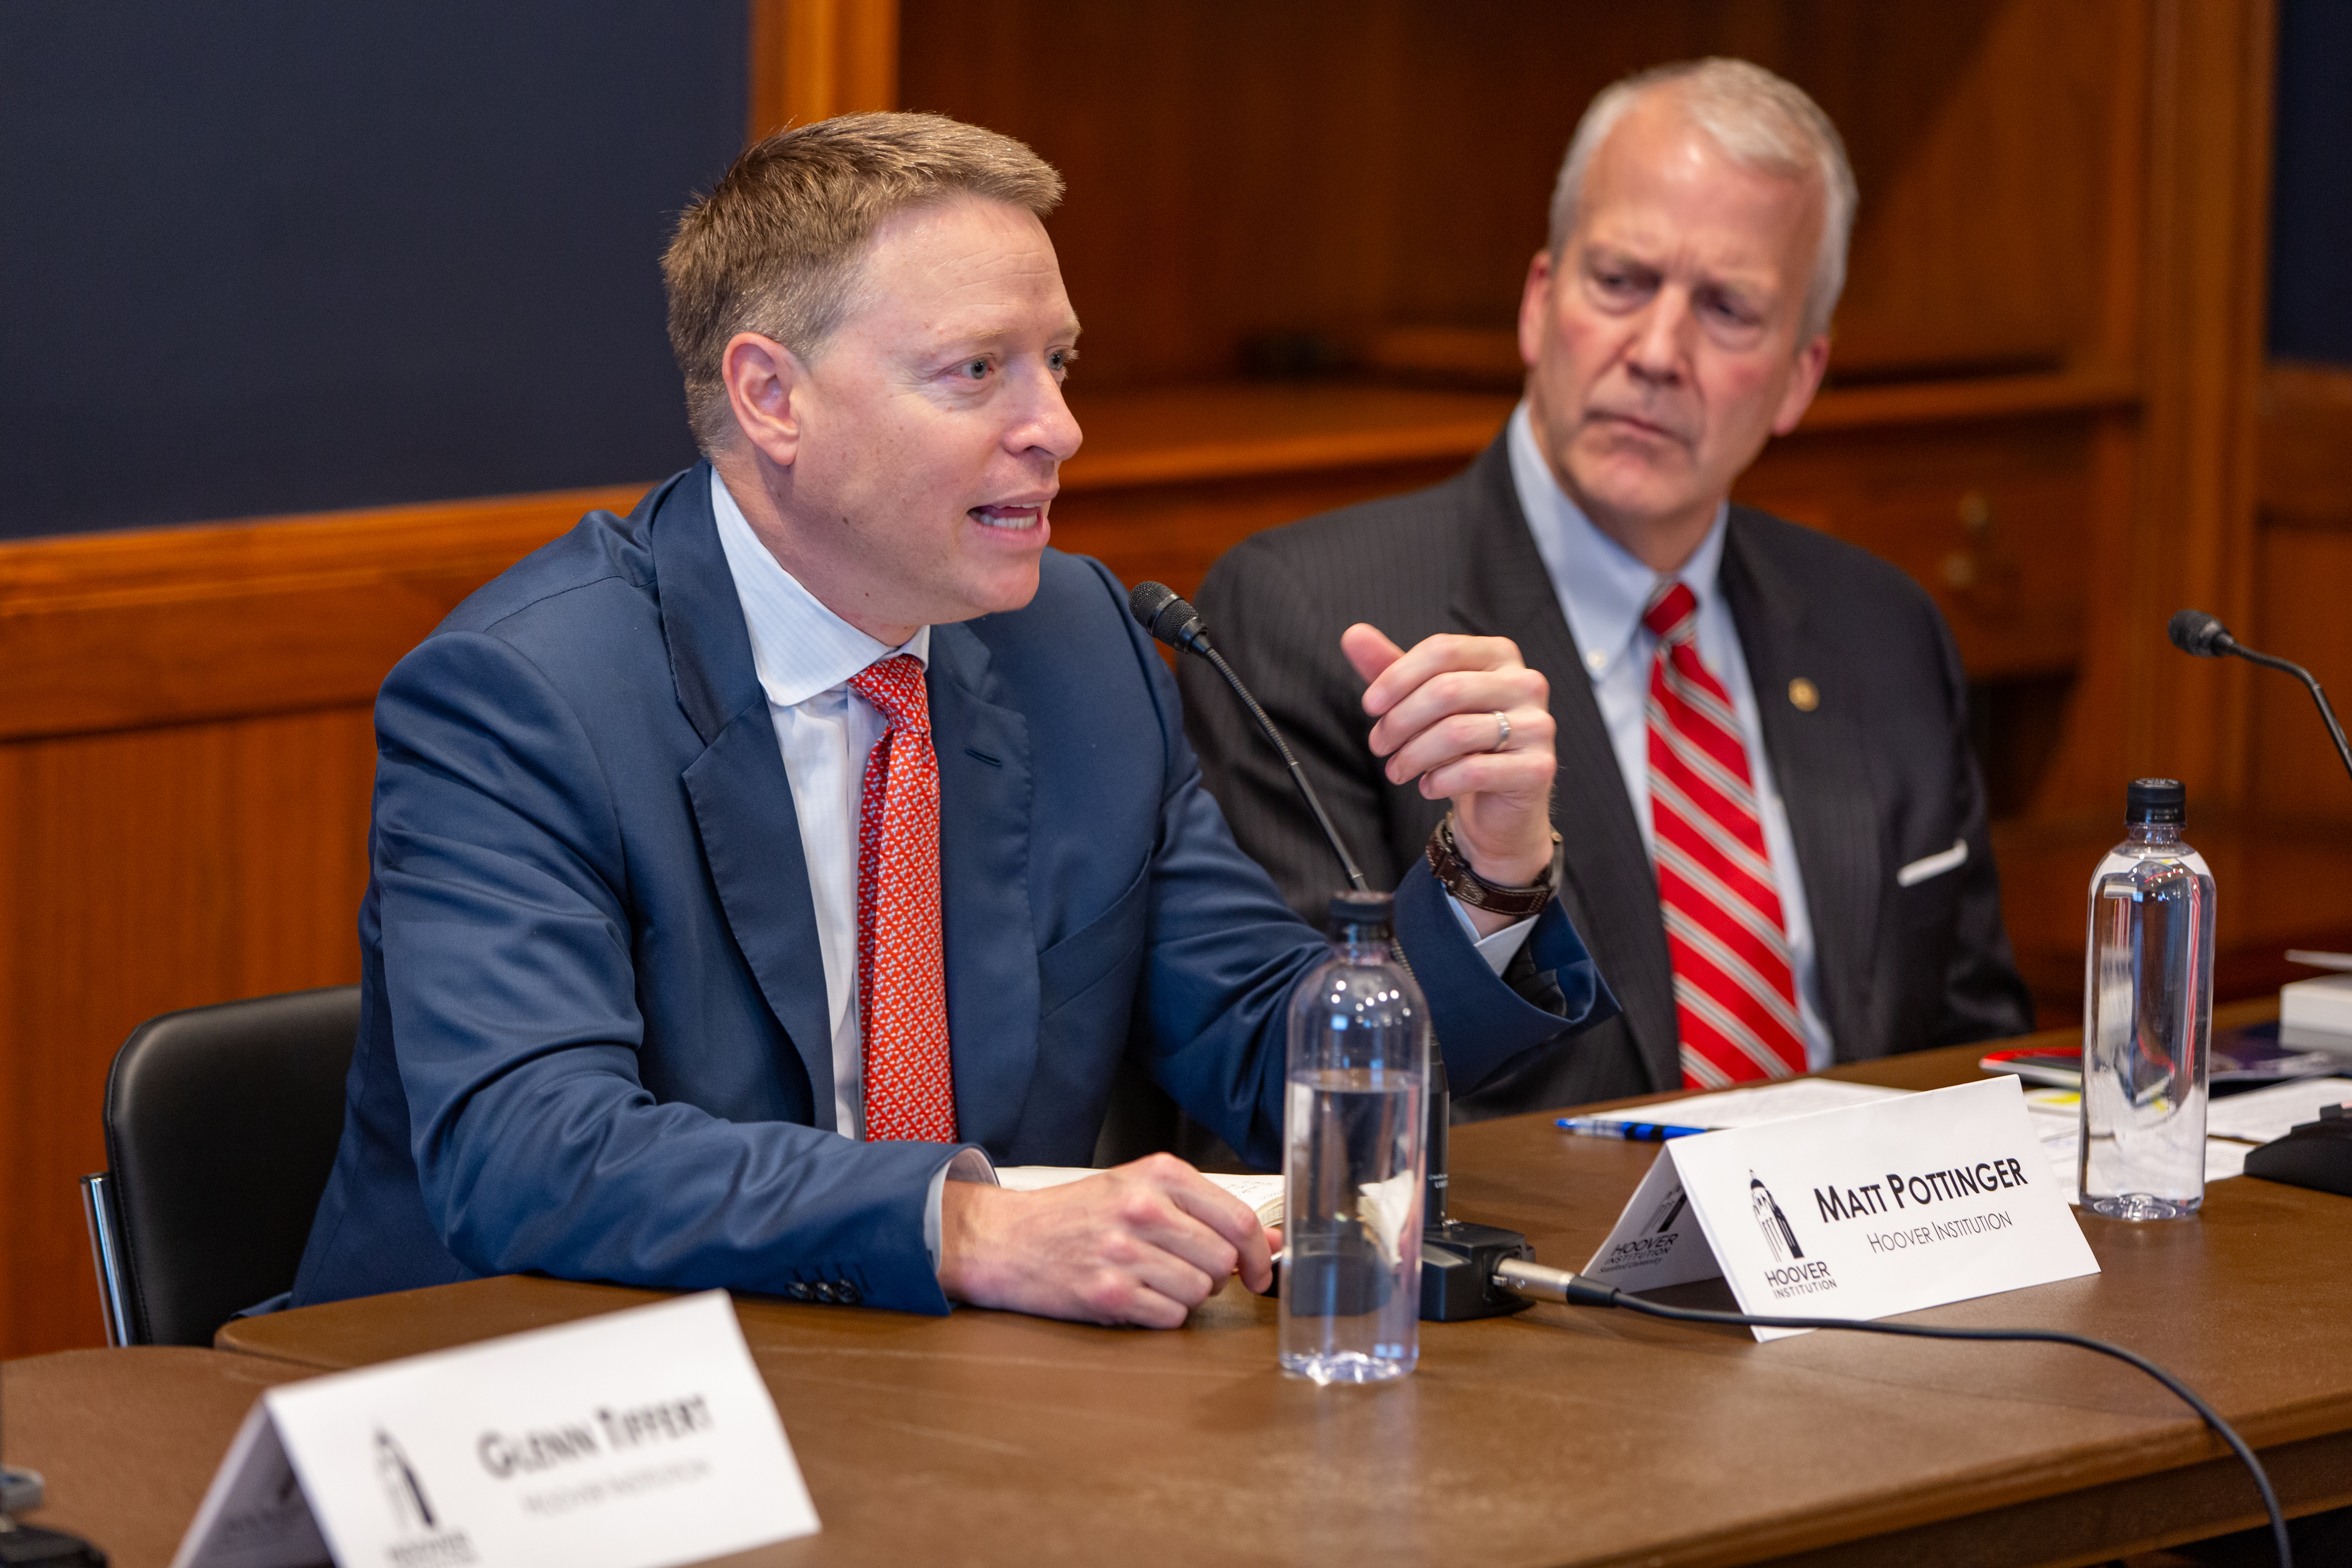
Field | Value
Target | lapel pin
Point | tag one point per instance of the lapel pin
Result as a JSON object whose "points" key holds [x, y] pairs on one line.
{"points": [[1804, 695]]}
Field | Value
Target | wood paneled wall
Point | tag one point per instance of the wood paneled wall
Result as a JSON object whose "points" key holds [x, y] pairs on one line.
{"points": [[2199, 353], [2303, 577], [149, 869], [1399, 158], [186, 757], [812, 60]]}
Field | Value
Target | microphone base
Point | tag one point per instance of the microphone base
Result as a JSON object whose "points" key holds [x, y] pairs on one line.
{"points": [[1458, 1261], [34, 1547]]}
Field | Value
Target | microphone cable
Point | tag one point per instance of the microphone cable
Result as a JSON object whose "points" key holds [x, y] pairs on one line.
{"points": [[1538, 1283]]}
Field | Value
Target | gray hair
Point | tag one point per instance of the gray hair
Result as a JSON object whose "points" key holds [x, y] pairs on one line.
{"points": [[1761, 122]]}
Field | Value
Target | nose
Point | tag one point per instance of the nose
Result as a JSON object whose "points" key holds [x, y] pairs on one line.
{"points": [[1045, 424], [1661, 340]]}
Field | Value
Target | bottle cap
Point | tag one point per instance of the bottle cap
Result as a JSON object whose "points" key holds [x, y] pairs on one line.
{"points": [[2155, 800], [1354, 908]]}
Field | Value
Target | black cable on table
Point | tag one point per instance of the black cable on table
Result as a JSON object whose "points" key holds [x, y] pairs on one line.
{"points": [[1557, 1284]]}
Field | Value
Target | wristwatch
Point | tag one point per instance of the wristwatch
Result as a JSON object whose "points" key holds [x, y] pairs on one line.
{"points": [[1455, 874]]}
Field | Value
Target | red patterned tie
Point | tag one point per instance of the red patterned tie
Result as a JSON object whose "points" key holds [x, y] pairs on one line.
{"points": [[902, 1006], [1734, 987]]}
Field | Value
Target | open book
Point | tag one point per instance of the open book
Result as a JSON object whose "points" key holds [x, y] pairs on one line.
{"points": [[1262, 1193]]}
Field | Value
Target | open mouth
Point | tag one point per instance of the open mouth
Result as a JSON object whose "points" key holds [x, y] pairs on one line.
{"points": [[1010, 518]]}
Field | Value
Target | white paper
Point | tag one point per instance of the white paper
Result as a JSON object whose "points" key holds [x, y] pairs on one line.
{"points": [[637, 1439], [2223, 1160], [2056, 1115], [2057, 1118], [1385, 1208], [2260, 1115], [1263, 1192], [2322, 1005], [1037, 1178], [1886, 1206], [1754, 1107]]}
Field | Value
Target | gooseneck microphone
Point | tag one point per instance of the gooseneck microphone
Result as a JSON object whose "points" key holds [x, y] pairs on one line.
{"points": [[1458, 1257], [2202, 636], [1158, 609]]}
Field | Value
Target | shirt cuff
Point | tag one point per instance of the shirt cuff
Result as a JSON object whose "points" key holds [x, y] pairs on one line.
{"points": [[969, 1165], [1497, 949]]}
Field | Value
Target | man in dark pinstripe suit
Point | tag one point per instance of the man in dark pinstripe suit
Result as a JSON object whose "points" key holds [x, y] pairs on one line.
{"points": [[1678, 318]]}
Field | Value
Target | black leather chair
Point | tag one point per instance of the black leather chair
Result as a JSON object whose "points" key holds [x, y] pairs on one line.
{"points": [[221, 1126]]}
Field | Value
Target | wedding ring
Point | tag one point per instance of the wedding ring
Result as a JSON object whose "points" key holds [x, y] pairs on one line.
{"points": [[1502, 733]]}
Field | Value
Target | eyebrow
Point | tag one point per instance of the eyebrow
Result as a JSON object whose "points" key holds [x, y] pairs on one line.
{"points": [[1749, 284], [991, 336]]}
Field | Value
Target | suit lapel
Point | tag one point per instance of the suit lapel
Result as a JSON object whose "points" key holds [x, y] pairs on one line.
{"points": [[986, 790], [1507, 591], [742, 799], [1821, 767]]}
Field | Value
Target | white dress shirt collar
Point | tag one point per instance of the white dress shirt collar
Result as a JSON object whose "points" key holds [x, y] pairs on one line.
{"points": [[1603, 587], [799, 647]]}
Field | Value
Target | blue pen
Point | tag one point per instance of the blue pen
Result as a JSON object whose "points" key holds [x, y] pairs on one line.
{"points": [[1636, 1131]]}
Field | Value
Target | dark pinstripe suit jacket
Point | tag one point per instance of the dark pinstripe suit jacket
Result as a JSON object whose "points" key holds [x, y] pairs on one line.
{"points": [[1878, 776]]}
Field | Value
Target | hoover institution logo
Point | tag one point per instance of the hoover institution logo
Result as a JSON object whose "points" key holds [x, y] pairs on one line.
{"points": [[1794, 1274], [422, 1541]]}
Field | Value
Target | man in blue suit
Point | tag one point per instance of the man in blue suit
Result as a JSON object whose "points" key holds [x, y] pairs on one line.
{"points": [[660, 964]]}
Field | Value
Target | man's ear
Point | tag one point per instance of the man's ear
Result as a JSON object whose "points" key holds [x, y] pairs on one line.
{"points": [[763, 381], [1812, 361], [1535, 303]]}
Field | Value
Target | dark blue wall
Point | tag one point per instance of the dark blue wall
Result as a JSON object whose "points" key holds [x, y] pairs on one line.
{"points": [[2311, 200], [267, 255]]}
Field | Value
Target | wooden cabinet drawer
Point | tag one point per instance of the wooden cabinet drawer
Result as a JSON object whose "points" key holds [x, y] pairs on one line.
{"points": [[1994, 518]]}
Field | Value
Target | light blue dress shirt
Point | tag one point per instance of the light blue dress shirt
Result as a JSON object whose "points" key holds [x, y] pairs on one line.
{"points": [[1603, 591]]}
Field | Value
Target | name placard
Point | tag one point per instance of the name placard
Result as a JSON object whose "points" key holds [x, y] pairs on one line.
{"points": [[1881, 1208], [634, 1440]]}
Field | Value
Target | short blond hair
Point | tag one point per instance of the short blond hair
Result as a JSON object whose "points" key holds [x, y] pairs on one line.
{"points": [[1761, 122], [775, 247]]}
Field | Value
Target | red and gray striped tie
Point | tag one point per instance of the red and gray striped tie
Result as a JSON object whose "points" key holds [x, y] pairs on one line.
{"points": [[1734, 987]]}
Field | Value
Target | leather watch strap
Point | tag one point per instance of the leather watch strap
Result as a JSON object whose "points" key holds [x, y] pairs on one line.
{"points": [[1455, 874]]}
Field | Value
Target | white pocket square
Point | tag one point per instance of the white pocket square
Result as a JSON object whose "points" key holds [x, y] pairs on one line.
{"points": [[1933, 864]]}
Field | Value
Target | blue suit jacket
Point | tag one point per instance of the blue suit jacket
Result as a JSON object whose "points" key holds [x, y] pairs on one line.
{"points": [[595, 1039]]}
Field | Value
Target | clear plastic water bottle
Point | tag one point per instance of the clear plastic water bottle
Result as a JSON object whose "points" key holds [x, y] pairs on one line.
{"points": [[2147, 1015], [1354, 1157]]}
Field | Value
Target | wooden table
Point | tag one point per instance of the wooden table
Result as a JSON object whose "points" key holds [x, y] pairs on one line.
{"points": [[1555, 1436], [128, 1439]]}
